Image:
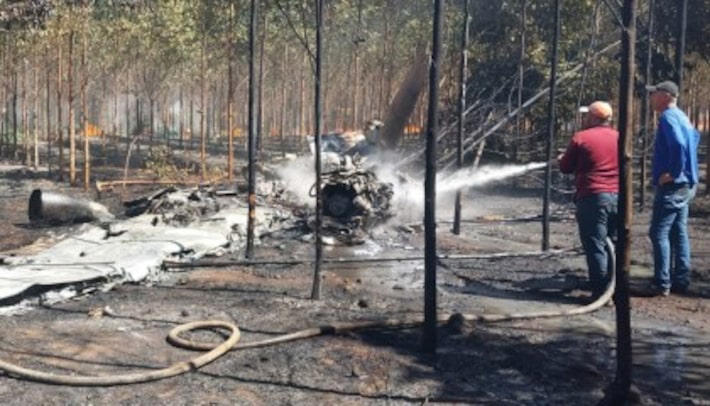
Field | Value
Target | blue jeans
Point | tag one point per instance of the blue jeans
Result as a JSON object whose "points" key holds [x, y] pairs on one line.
{"points": [[669, 232], [596, 218]]}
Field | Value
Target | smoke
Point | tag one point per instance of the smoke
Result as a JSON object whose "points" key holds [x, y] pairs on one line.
{"points": [[298, 177], [408, 200]]}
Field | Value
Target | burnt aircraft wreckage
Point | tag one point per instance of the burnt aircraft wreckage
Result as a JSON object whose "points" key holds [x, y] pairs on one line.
{"points": [[55, 208], [354, 199]]}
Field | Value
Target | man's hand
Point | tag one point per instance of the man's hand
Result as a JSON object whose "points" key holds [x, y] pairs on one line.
{"points": [[665, 178]]}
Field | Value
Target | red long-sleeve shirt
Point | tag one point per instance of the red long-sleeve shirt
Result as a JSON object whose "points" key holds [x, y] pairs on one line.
{"points": [[592, 155]]}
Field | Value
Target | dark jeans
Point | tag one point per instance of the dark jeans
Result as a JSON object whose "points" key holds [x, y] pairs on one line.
{"points": [[596, 218], [669, 232]]}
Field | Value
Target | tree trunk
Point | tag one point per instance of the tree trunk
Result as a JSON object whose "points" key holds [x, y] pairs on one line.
{"points": [[325, 104], [2, 132], [3, 100], [35, 121], [70, 102], [317, 130], [4, 142], [251, 147], [260, 108], [97, 109], [203, 112], [139, 124], [429, 330], [151, 120], [85, 115], [521, 79], [552, 131], [166, 122], [230, 123], [383, 63], [645, 127], [230, 95], [282, 124], [25, 121], [181, 121], [191, 126], [618, 392], [356, 122], [60, 132], [14, 114], [127, 111], [114, 119], [362, 94], [301, 98], [463, 73], [682, 19], [707, 151], [47, 115], [210, 115]]}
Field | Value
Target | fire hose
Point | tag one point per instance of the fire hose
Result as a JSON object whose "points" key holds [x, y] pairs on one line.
{"points": [[215, 351]]}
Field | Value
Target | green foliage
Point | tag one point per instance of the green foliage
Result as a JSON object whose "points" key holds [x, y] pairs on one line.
{"points": [[152, 49], [162, 163]]}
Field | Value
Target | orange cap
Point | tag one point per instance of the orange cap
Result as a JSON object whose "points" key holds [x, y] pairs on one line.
{"points": [[598, 109]]}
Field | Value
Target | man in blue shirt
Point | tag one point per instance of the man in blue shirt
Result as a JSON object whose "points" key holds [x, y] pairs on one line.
{"points": [[675, 177]]}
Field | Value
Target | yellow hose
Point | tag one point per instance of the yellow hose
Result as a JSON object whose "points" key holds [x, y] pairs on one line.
{"points": [[173, 370]]}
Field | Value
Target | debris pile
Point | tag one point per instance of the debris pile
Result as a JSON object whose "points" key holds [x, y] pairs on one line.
{"points": [[352, 143], [175, 207], [354, 199]]}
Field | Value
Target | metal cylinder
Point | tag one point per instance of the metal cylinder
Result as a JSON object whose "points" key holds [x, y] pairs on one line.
{"points": [[55, 208]]}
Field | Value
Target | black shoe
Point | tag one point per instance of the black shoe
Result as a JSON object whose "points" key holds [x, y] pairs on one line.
{"points": [[680, 290]]}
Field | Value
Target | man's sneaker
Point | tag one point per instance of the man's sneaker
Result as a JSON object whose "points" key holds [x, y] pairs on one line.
{"points": [[655, 290], [680, 290]]}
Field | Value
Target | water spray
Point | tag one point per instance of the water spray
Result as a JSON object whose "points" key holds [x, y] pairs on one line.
{"points": [[469, 177]]}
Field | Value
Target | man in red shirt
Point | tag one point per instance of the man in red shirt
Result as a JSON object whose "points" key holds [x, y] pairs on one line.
{"points": [[592, 155]]}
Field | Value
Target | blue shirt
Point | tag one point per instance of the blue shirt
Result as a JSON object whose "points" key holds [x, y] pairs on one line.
{"points": [[676, 148]]}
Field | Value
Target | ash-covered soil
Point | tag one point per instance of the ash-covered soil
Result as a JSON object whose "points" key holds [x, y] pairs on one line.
{"points": [[558, 361]]}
